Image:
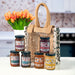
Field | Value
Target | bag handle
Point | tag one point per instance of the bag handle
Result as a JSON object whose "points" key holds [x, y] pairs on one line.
{"points": [[37, 24]]}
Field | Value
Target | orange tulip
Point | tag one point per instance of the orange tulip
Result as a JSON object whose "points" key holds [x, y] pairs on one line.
{"points": [[32, 18], [14, 13], [12, 20], [9, 13], [6, 16], [21, 14], [26, 14], [18, 14], [13, 17]]}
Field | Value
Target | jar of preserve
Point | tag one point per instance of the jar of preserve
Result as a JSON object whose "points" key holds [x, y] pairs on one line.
{"points": [[19, 43], [50, 61], [39, 60], [26, 59], [44, 44], [14, 58]]}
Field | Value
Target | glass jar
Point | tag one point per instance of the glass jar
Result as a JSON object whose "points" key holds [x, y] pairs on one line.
{"points": [[14, 58], [26, 59], [50, 61], [19, 43], [44, 44], [39, 60]]}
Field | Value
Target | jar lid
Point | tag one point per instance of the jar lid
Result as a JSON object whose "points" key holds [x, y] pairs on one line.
{"points": [[38, 53], [44, 37], [13, 51], [50, 54], [19, 36], [26, 52]]}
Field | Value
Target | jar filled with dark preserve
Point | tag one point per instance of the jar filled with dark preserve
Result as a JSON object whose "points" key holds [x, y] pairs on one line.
{"points": [[26, 59], [14, 58], [19, 43], [44, 44]]}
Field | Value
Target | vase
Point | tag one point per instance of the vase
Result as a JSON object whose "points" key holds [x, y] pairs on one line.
{"points": [[26, 38], [18, 32]]}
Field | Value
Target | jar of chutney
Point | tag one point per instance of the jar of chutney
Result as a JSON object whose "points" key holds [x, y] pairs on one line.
{"points": [[44, 44], [39, 60], [19, 43], [26, 59], [14, 58], [50, 61]]}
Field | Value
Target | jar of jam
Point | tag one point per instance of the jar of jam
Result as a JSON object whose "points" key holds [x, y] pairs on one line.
{"points": [[50, 61], [19, 43], [14, 58], [26, 59], [44, 44], [39, 60]]}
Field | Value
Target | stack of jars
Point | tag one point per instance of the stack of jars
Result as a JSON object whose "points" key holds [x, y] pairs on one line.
{"points": [[42, 58], [19, 56]]}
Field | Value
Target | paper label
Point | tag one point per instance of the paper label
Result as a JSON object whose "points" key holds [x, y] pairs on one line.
{"points": [[14, 60], [26, 61], [49, 63], [44, 46], [19, 45], [39, 61]]}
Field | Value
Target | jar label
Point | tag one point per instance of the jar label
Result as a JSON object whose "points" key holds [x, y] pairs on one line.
{"points": [[14, 60], [44, 46], [39, 61], [19, 45], [26, 61], [49, 63]]}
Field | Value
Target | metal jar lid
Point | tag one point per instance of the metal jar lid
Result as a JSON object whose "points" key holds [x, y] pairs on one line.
{"points": [[19, 36], [13, 51], [38, 53], [50, 54]]}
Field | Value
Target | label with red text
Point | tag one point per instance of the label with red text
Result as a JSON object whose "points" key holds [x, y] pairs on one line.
{"points": [[44, 46], [19, 45]]}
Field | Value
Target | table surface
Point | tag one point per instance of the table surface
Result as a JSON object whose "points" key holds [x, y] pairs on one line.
{"points": [[66, 67]]}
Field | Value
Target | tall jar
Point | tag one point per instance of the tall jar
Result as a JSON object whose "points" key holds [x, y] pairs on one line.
{"points": [[39, 60], [14, 58], [44, 44], [26, 59], [19, 43], [50, 61]]}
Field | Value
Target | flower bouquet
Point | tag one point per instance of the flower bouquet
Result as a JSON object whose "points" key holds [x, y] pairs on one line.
{"points": [[18, 20]]}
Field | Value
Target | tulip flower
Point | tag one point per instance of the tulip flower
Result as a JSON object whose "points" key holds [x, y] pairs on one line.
{"points": [[19, 19]]}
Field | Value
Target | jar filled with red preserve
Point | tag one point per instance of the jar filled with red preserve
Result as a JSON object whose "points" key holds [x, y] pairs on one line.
{"points": [[19, 43], [44, 44], [14, 58]]}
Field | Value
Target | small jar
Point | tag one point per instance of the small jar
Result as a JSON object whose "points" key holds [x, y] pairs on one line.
{"points": [[44, 44], [14, 58], [26, 59], [50, 61], [39, 60], [19, 43]]}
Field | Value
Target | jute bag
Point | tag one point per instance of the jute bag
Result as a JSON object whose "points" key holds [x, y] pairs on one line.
{"points": [[35, 32]]}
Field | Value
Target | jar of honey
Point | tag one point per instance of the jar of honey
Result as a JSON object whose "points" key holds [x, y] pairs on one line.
{"points": [[26, 59], [39, 60], [44, 44], [50, 61], [19, 43], [14, 58]]}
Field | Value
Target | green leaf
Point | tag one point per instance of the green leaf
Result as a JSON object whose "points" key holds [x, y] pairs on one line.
{"points": [[12, 25]]}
